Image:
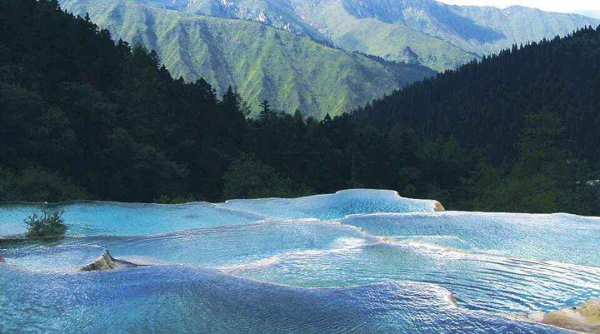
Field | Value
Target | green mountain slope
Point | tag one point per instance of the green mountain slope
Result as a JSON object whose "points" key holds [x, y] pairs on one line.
{"points": [[276, 13], [428, 32], [290, 71], [331, 22], [372, 35], [442, 36]]}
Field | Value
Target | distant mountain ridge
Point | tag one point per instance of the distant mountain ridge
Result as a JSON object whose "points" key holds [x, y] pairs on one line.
{"points": [[427, 32], [261, 62]]}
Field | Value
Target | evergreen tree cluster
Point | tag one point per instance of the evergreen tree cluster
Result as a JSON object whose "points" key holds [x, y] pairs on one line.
{"points": [[78, 111], [482, 103], [84, 117]]}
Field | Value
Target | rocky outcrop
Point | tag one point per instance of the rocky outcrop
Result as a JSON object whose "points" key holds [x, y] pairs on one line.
{"points": [[107, 262], [439, 207], [585, 318], [452, 299]]}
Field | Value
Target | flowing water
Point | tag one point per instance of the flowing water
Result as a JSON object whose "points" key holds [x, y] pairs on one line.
{"points": [[358, 261]]}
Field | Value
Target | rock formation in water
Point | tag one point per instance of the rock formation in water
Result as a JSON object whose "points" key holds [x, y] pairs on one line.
{"points": [[453, 300], [107, 262], [1, 258], [439, 207], [585, 318]]}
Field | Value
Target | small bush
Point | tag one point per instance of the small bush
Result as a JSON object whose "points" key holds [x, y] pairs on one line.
{"points": [[181, 199], [47, 224]]}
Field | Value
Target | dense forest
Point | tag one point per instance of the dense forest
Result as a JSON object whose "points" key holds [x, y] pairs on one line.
{"points": [[484, 101], [83, 117]]}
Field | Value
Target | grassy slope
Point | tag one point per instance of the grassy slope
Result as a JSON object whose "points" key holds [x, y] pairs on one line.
{"points": [[440, 36], [443, 36], [276, 13], [373, 36], [264, 63]]}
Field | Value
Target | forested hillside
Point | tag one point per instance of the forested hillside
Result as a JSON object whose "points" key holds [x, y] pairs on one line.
{"points": [[262, 62], [481, 105], [84, 117]]}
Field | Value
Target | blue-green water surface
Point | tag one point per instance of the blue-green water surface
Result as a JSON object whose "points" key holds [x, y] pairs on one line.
{"points": [[359, 261]]}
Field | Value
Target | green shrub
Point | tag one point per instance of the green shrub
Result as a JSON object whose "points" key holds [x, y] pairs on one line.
{"points": [[181, 199], [47, 224]]}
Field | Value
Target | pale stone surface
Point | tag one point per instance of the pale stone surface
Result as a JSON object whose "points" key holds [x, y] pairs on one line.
{"points": [[585, 318], [107, 262]]}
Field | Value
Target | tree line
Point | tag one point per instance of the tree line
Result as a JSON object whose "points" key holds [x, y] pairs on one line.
{"points": [[83, 117]]}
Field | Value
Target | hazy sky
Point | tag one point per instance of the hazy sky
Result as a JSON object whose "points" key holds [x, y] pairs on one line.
{"points": [[548, 5]]}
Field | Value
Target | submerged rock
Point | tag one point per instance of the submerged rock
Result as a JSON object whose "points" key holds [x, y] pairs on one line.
{"points": [[439, 207], [585, 318], [107, 262]]}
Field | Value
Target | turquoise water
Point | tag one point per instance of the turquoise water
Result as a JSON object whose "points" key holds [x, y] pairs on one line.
{"points": [[558, 237], [107, 218], [332, 206], [358, 261], [98, 218]]}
